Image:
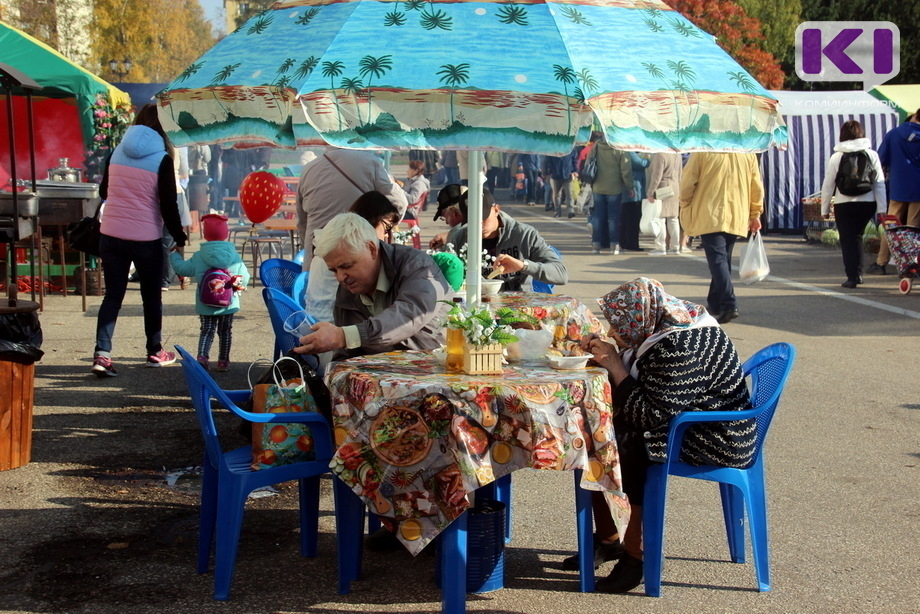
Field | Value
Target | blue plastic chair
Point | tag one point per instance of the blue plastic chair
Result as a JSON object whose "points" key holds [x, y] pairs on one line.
{"points": [[280, 306], [299, 256], [540, 286], [279, 273], [228, 479], [768, 369], [299, 290]]}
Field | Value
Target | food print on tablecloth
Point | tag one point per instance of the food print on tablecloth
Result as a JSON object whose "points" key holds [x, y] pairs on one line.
{"points": [[415, 446]]}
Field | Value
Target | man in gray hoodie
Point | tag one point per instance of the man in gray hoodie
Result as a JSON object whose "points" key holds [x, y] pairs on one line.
{"points": [[517, 247]]}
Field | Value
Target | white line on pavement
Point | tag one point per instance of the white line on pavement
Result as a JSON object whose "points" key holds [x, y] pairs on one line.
{"points": [[846, 297]]}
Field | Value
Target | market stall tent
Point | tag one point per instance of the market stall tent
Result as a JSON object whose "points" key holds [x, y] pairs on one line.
{"points": [[813, 120], [63, 107]]}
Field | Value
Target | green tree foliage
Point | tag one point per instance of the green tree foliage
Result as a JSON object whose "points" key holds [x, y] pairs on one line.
{"points": [[902, 13], [778, 21], [161, 37]]}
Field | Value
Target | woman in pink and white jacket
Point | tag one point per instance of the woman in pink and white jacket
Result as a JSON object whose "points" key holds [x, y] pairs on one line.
{"points": [[139, 190]]}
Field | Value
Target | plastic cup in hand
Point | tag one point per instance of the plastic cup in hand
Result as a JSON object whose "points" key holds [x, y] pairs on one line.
{"points": [[299, 323]]}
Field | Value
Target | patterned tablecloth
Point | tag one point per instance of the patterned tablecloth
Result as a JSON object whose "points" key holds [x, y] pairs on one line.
{"points": [[414, 440], [569, 319]]}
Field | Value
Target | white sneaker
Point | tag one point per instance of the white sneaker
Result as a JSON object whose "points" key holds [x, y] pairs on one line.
{"points": [[616, 250], [657, 252]]}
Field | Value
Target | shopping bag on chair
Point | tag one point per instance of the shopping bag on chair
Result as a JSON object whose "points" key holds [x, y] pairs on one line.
{"points": [[754, 265], [290, 385]]}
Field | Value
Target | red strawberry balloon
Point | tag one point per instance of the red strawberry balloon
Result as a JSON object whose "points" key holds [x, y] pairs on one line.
{"points": [[261, 193]]}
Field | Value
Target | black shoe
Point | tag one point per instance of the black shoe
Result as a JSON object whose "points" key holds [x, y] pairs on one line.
{"points": [[548, 208], [134, 279], [877, 269], [727, 317], [558, 214], [850, 283], [859, 279], [625, 576], [571, 215], [382, 540], [602, 553]]}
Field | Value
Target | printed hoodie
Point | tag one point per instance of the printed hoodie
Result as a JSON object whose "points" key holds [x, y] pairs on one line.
{"points": [[212, 255], [900, 154], [829, 187], [139, 189]]}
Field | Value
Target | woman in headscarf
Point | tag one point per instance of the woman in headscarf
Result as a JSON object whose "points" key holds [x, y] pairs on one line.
{"points": [[665, 356]]}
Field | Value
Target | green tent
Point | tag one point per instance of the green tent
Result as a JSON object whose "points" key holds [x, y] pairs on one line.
{"points": [[905, 98], [58, 76]]}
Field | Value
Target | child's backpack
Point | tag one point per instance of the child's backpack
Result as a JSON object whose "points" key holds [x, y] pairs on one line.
{"points": [[855, 175], [215, 288]]}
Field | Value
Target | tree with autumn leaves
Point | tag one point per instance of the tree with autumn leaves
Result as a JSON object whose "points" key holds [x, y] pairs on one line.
{"points": [[160, 37], [739, 34]]}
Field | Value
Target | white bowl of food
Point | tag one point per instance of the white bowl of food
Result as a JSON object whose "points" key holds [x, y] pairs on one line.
{"points": [[490, 287], [568, 363]]}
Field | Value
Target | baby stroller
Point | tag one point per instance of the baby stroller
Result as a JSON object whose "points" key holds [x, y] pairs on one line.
{"points": [[904, 242]]}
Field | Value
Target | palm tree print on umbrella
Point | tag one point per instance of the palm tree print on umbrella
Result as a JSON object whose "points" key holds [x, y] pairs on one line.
{"points": [[431, 19], [575, 16], [221, 79], [513, 15], [566, 75], [394, 18], [261, 24], [332, 70], [589, 85], [353, 87], [373, 67], [454, 75], [745, 83], [307, 17]]}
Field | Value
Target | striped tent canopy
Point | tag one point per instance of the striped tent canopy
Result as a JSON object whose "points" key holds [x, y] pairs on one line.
{"points": [[813, 120]]}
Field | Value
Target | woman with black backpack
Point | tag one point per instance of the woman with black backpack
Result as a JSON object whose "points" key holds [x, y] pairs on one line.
{"points": [[856, 182]]}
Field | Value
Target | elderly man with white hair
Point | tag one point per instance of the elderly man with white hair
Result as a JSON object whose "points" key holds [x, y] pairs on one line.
{"points": [[388, 296]]}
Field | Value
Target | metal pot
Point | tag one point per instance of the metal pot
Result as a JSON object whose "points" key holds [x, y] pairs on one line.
{"points": [[65, 173]]}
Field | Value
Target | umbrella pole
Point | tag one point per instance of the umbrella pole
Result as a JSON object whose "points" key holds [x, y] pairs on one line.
{"points": [[474, 231]]}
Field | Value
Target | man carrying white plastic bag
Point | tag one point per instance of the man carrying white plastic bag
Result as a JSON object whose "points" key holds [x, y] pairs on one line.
{"points": [[721, 199], [754, 265]]}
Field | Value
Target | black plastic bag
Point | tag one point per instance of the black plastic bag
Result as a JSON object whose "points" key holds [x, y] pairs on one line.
{"points": [[20, 337]]}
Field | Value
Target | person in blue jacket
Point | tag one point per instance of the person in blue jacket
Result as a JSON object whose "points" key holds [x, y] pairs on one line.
{"points": [[900, 154], [215, 253]]}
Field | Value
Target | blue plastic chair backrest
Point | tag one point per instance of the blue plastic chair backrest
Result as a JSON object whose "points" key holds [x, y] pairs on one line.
{"points": [[202, 388], [280, 306], [768, 369], [299, 256], [545, 288], [299, 291], [279, 273]]}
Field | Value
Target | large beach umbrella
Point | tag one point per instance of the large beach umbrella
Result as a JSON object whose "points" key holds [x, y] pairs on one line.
{"points": [[529, 76]]}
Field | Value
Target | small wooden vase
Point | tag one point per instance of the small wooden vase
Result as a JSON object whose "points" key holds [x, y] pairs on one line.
{"points": [[482, 359]]}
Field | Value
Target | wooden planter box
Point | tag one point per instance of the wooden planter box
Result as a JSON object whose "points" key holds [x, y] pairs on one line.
{"points": [[481, 360]]}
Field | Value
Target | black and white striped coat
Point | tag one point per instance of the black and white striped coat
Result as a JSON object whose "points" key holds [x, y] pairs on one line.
{"points": [[691, 370]]}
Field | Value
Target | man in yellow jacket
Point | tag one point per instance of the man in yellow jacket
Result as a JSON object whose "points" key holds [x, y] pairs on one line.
{"points": [[721, 199]]}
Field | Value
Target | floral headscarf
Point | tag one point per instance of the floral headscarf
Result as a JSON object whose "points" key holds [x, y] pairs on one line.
{"points": [[641, 308]]}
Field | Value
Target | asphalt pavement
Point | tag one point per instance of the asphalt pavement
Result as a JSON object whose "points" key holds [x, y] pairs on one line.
{"points": [[92, 525]]}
